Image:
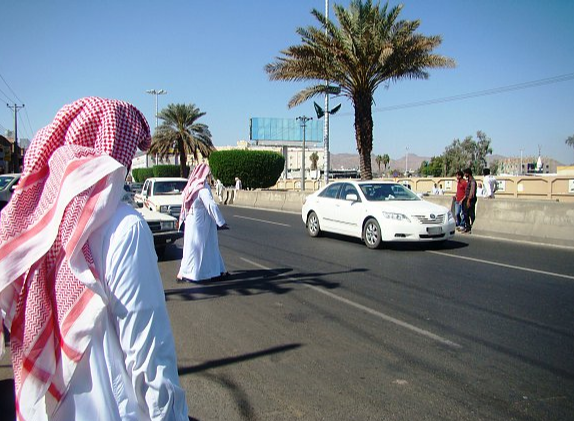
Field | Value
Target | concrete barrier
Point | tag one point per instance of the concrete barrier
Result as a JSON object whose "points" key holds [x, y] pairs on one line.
{"points": [[527, 220], [534, 221]]}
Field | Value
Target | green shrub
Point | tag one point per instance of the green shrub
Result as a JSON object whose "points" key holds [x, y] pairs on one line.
{"points": [[142, 174], [166, 171], [255, 169]]}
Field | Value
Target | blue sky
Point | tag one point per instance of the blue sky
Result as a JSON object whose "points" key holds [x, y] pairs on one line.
{"points": [[212, 54]]}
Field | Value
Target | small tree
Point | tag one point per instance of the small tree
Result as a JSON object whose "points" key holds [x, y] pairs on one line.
{"points": [[386, 160], [379, 161], [570, 141], [181, 133], [314, 157]]}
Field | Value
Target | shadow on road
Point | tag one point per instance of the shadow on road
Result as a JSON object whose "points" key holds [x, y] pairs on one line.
{"points": [[237, 359], [239, 396], [252, 282]]}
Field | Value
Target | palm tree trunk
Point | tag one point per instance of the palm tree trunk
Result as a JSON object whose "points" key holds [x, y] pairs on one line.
{"points": [[182, 159], [364, 134]]}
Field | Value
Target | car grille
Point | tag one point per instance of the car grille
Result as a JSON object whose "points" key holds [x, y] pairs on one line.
{"points": [[154, 226], [428, 220]]}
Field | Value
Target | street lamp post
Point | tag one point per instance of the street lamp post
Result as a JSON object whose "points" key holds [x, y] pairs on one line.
{"points": [[407, 162], [155, 92], [303, 121], [326, 122]]}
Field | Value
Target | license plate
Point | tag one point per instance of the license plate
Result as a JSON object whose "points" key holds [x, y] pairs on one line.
{"points": [[434, 230]]}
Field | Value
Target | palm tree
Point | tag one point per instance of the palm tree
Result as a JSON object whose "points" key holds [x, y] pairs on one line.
{"points": [[570, 141], [371, 47], [379, 161], [386, 160], [181, 131]]}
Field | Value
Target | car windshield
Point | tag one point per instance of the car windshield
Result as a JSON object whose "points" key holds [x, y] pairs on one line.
{"points": [[5, 180], [377, 192], [168, 187]]}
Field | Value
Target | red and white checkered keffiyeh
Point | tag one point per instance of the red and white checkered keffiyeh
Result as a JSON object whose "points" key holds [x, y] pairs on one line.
{"points": [[72, 183], [195, 183]]}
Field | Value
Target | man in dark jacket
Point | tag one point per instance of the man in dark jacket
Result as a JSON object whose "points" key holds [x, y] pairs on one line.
{"points": [[469, 201]]}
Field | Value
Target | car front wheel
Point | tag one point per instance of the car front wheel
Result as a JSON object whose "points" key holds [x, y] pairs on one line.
{"points": [[372, 234], [313, 225]]}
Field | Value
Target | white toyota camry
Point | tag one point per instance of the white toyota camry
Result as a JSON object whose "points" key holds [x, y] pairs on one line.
{"points": [[376, 212]]}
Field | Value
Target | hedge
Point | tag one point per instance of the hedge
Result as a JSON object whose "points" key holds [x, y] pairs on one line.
{"points": [[255, 169], [140, 175]]}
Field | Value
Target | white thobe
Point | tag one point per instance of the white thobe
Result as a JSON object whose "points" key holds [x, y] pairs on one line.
{"points": [[129, 371], [201, 256]]}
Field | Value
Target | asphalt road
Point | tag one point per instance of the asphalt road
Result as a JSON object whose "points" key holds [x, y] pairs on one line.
{"points": [[326, 329]]}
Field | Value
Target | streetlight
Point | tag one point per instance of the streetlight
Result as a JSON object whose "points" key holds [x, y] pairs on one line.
{"points": [[407, 162], [155, 92], [304, 121]]}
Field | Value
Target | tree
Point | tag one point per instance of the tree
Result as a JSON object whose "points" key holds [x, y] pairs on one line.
{"points": [[386, 160], [570, 141], [434, 168], [314, 157], [370, 47], [467, 154], [181, 132], [379, 161]]}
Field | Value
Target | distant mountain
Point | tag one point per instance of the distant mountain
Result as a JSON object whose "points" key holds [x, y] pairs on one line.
{"points": [[349, 161]]}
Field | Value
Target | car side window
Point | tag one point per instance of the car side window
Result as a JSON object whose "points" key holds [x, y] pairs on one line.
{"points": [[331, 192], [348, 189]]}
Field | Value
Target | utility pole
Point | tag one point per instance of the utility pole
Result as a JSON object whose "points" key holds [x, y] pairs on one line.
{"points": [[303, 121], [326, 122], [16, 162]]}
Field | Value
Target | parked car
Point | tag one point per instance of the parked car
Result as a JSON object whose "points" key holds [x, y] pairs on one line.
{"points": [[8, 183], [376, 212], [162, 194], [163, 227]]}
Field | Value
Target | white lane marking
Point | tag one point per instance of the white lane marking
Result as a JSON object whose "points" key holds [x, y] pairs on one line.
{"points": [[504, 265], [368, 310], [261, 220]]}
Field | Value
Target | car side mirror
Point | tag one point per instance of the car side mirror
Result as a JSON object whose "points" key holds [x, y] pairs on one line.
{"points": [[352, 197]]}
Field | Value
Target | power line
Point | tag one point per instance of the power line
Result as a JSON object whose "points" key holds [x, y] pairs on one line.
{"points": [[14, 93], [486, 92]]}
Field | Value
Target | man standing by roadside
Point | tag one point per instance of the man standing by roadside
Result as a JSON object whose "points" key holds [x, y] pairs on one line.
{"points": [[80, 289], [489, 183], [469, 201], [458, 198]]}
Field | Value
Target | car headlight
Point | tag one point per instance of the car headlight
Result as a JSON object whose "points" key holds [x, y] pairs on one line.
{"points": [[167, 225], [163, 209], [396, 216]]}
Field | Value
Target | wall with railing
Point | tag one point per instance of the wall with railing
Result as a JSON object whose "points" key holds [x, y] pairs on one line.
{"points": [[557, 188]]}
